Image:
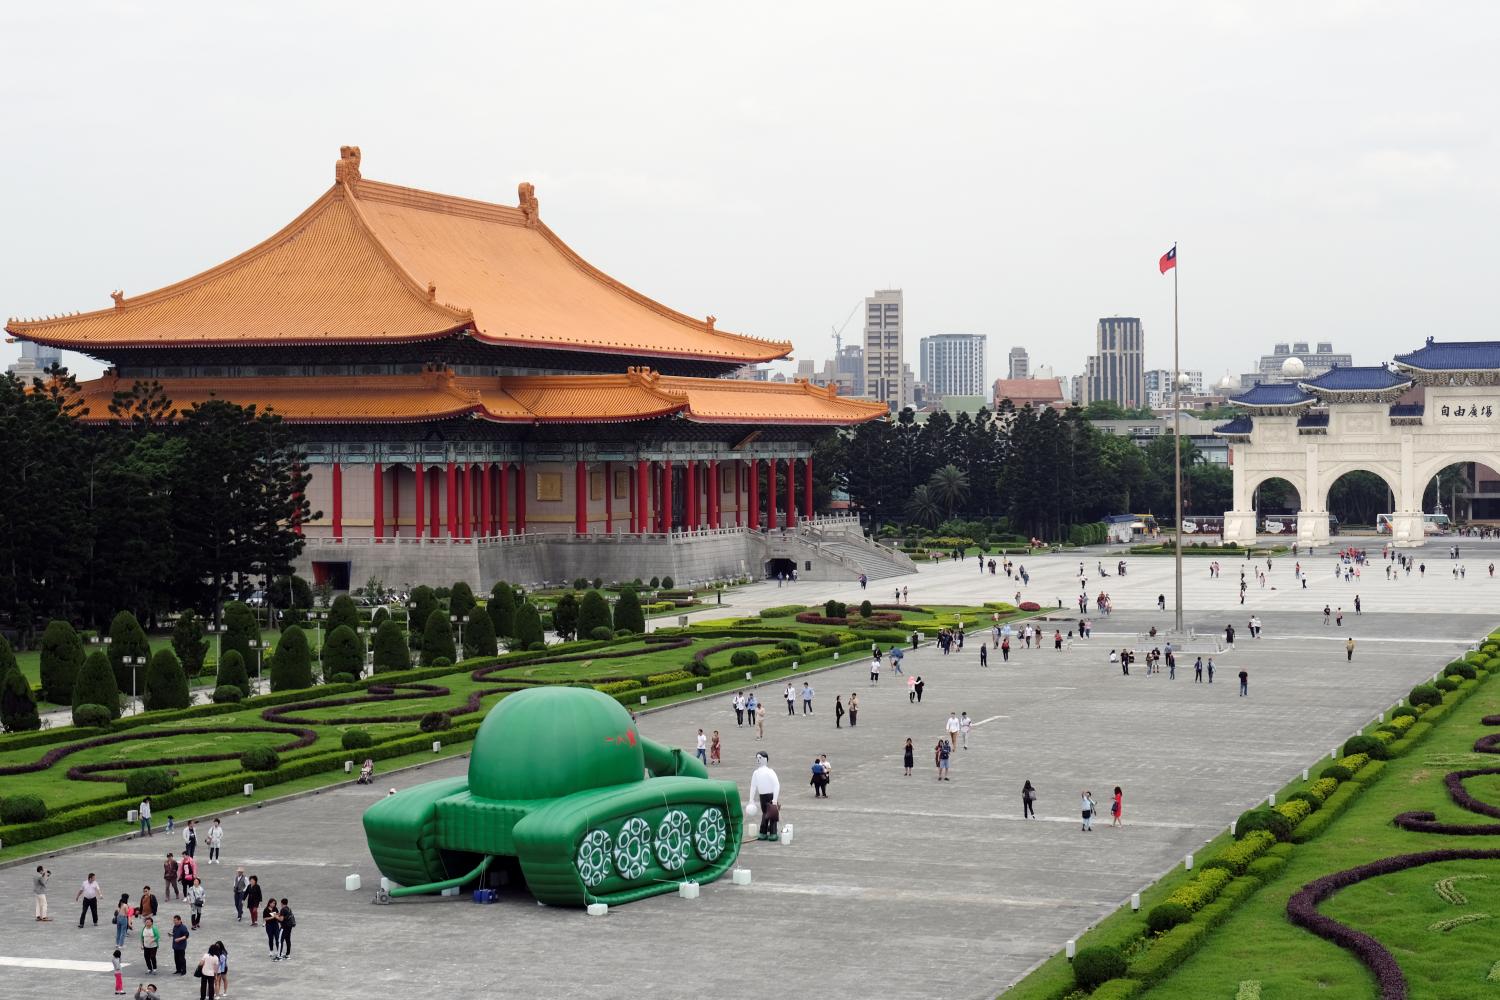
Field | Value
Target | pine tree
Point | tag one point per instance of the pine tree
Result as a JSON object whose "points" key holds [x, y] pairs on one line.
{"points": [[461, 599], [232, 673], [240, 627], [291, 663], [565, 616], [502, 609], [61, 659], [593, 612], [17, 702], [343, 653], [343, 612], [424, 602], [96, 684], [166, 685], [479, 635], [437, 639], [628, 614], [189, 644], [126, 638], [391, 652], [528, 626]]}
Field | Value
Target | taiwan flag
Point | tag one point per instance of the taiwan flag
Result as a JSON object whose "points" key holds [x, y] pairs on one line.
{"points": [[1169, 259]]}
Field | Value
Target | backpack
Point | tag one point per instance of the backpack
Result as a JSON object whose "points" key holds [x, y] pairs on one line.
{"points": [[943, 751], [290, 920]]}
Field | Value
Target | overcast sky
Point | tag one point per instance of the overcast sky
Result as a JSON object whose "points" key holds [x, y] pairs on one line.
{"points": [[1330, 169]]}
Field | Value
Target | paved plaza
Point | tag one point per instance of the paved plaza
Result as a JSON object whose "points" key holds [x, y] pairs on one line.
{"points": [[894, 886]]}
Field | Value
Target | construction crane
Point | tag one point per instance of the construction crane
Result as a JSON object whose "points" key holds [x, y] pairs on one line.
{"points": [[838, 331]]}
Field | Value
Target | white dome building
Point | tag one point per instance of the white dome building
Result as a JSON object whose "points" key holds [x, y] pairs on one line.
{"points": [[1293, 368]]}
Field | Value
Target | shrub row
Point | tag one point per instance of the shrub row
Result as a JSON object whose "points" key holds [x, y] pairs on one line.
{"points": [[1236, 858], [1202, 890]]}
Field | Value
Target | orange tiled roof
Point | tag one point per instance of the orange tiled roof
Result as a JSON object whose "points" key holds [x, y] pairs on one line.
{"points": [[376, 263], [638, 394]]}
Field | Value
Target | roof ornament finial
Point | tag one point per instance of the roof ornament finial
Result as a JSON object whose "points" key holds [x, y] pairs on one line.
{"points": [[1430, 339], [709, 322], [346, 171], [432, 291], [526, 195], [119, 297]]}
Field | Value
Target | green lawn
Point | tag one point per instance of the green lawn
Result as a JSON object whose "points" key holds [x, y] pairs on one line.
{"points": [[1259, 943]]}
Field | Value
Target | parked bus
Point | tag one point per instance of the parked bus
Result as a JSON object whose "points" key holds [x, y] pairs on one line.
{"points": [[1432, 524]]}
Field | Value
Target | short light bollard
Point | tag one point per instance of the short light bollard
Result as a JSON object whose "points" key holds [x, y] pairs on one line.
{"points": [[835, 654], [687, 890], [747, 675], [643, 699], [1304, 774], [740, 876], [1070, 949], [786, 833], [1187, 862], [1271, 800], [348, 767], [437, 746], [1135, 901], [351, 882], [1231, 826], [794, 664], [1380, 717], [598, 909], [132, 816], [1400, 702], [699, 686], [249, 789], [1334, 753]]}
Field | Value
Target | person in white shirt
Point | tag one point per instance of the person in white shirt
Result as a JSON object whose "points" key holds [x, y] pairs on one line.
{"points": [[791, 699], [739, 709], [702, 747], [215, 841], [964, 725], [874, 671], [145, 815], [765, 790]]}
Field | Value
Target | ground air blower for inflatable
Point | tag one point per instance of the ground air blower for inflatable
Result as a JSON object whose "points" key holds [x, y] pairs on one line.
{"points": [[560, 780]]}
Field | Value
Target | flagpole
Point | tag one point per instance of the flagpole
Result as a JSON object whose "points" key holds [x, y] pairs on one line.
{"points": [[1177, 437]]}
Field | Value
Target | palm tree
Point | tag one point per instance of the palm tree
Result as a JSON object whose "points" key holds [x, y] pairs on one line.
{"points": [[923, 508], [950, 487]]}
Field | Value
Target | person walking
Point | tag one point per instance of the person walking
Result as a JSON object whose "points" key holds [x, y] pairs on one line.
{"points": [[952, 727], [874, 671], [791, 698], [819, 779], [288, 924], [964, 725], [150, 942], [917, 687], [273, 929], [714, 750], [739, 708], [1086, 806], [253, 897], [145, 815], [88, 895], [169, 877], [187, 871], [121, 920], [911, 689], [179, 945], [1117, 807], [838, 711], [241, 886], [751, 707], [1198, 670], [208, 970], [39, 889], [1210, 670], [702, 752], [1005, 649], [215, 841], [221, 982], [853, 709], [119, 975], [807, 697], [984, 656], [765, 794], [941, 756], [908, 754], [1349, 649], [190, 839], [1244, 683], [1028, 800], [147, 906], [760, 726], [195, 897]]}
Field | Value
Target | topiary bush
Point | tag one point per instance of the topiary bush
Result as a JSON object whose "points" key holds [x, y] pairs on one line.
{"points": [[1367, 745], [835, 609], [61, 659], [1263, 819], [342, 678], [189, 643], [356, 739], [479, 636], [1203, 889], [22, 809], [166, 685], [666, 583], [126, 638], [699, 668], [390, 648], [628, 614], [789, 646], [602, 632], [1404, 712], [593, 613], [1461, 669], [579, 583], [435, 722], [744, 658], [291, 663], [1092, 966], [240, 626], [18, 711], [1313, 799], [437, 639], [1336, 772], [1164, 916], [502, 609], [866, 609], [92, 716], [828, 640], [96, 684], [443, 661], [343, 611], [1446, 684], [1425, 694], [343, 652], [528, 630], [148, 781], [260, 759], [225, 694]]}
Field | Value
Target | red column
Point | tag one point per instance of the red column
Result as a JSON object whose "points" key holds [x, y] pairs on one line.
{"points": [[690, 497], [504, 498], [379, 502], [609, 500], [666, 495], [452, 501], [713, 494], [338, 500], [739, 507], [656, 496], [771, 494], [435, 503], [520, 498], [807, 490], [637, 497], [791, 491], [464, 513], [580, 499], [396, 500], [754, 512], [485, 500], [419, 487]]}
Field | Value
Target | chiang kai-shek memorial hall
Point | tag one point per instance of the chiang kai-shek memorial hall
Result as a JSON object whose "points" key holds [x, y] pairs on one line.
{"points": [[479, 402], [1434, 407]]}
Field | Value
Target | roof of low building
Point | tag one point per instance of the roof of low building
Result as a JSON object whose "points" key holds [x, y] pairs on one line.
{"points": [[1439, 356], [1355, 378], [1272, 394], [374, 263], [1238, 426], [1025, 390]]}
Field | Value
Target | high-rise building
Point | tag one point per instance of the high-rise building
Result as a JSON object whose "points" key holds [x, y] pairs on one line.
{"points": [[849, 370], [34, 360], [1315, 363], [1117, 370], [952, 364], [1159, 386], [883, 347], [1020, 363]]}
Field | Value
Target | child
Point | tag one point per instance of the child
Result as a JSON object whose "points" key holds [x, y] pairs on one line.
{"points": [[713, 751], [907, 757], [119, 976]]}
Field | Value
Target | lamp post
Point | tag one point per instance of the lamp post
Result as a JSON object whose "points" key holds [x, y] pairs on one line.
{"points": [[134, 662], [367, 634], [460, 621], [258, 645], [319, 617], [1177, 380]]}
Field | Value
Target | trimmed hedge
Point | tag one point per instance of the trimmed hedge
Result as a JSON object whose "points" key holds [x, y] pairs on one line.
{"points": [[1117, 989], [1262, 818], [1093, 966], [22, 809], [1168, 952], [1202, 890], [92, 717], [1367, 745], [1267, 868], [260, 759], [356, 739], [1425, 694], [1164, 916], [1236, 857], [1332, 807], [149, 781]]}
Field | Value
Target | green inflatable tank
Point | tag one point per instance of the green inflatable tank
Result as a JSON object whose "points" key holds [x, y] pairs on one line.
{"points": [[560, 780]]}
